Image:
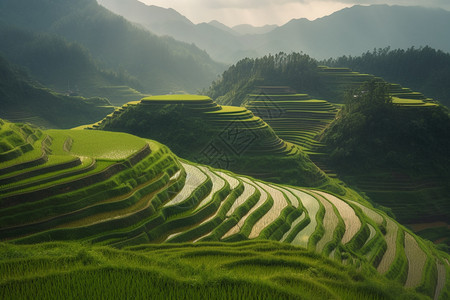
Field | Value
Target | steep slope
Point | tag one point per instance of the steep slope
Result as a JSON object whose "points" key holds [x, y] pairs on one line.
{"points": [[227, 137], [160, 64], [122, 190], [22, 100]]}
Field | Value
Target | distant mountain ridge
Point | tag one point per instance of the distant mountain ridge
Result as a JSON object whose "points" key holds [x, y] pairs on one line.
{"points": [[221, 43], [350, 31], [161, 64], [354, 30]]}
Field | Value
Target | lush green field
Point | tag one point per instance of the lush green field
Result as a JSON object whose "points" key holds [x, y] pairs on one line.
{"points": [[246, 270]]}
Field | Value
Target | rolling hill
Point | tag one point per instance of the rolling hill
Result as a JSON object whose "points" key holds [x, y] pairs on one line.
{"points": [[137, 191]]}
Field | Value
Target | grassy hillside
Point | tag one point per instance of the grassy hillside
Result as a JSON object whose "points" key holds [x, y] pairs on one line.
{"points": [[250, 270], [227, 137], [64, 67], [116, 189], [23, 100], [160, 64]]}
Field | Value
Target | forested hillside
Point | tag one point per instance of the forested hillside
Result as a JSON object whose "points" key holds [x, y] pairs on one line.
{"points": [[160, 64]]}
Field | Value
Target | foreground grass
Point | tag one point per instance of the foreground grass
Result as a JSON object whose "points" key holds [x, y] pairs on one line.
{"points": [[247, 270]]}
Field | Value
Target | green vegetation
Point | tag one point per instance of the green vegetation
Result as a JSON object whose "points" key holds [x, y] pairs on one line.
{"points": [[250, 270]]}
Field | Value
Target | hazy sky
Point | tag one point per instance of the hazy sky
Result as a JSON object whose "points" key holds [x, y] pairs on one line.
{"points": [[261, 12]]}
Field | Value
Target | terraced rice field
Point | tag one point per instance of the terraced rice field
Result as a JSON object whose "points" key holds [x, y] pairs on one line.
{"points": [[150, 196], [194, 178], [235, 132], [312, 206], [261, 201], [391, 240], [351, 221], [330, 222], [416, 261], [342, 79], [296, 118], [279, 203]]}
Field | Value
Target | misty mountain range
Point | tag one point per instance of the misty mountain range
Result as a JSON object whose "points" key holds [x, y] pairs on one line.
{"points": [[156, 64], [350, 31]]}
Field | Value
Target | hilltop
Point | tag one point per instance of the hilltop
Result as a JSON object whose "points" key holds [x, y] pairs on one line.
{"points": [[137, 191]]}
